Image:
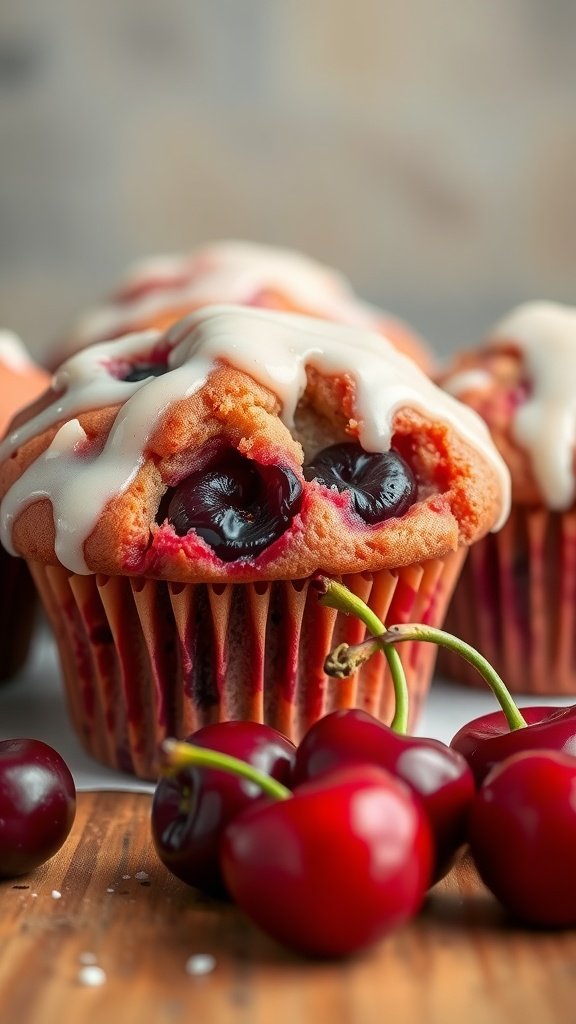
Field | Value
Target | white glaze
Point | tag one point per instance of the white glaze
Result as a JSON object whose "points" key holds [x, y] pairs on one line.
{"points": [[230, 272], [13, 354], [545, 424], [273, 348]]}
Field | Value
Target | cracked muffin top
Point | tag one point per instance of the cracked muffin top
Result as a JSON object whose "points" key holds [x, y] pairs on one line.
{"points": [[246, 445]]}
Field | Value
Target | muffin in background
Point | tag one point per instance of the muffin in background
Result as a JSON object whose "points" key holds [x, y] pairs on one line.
{"points": [[20, 382], [158, 291], [516, 597], [190, 493]]}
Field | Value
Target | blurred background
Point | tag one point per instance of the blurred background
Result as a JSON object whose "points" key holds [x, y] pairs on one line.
{"points": [[425, 148]]}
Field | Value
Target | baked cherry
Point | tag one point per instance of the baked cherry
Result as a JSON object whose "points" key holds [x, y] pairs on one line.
{"points": [[191, 808], [439, 776], [239, 507], [145, 370], [522, 835], [37, 804], [381, 484], [333, 866]]}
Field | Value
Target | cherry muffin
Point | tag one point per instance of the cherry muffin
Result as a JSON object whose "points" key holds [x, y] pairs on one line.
{"points": [[175, 494], [516, 597], [159, 291], [20, 381]]}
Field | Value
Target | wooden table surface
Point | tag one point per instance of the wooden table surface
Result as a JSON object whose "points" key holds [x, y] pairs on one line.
{"points": [[460, 960]]}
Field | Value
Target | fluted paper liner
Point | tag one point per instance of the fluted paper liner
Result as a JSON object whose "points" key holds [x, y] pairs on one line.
{"points": [[144, 659], [515, 602]]}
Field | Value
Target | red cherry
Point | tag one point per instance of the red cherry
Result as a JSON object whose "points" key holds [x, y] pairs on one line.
{"points": [[37, 805], [335, 867], [523, 836], [191, 808], [488, 740], [439, 776]]}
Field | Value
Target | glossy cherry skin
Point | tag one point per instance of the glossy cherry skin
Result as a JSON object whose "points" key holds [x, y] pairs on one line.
{"points": [[488, 740], [37, 805], [239, 507], [333, 868], [190, 809], [380, 484], [522, 836], [439, 776]]}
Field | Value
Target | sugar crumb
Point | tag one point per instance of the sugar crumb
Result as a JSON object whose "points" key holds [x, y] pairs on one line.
{"points": [[142, 876], [199, 964], [92, 976], [56, 895]]}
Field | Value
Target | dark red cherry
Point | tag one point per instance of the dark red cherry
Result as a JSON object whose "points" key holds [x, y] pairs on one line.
{"points": [[191, 808], [37, 805], [336, 866], [238, 506], [522, 835], [381, 484], [439, 776], [144, 371]]}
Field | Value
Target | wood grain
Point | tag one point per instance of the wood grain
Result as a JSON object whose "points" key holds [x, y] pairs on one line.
{"points": [[460, 960]]}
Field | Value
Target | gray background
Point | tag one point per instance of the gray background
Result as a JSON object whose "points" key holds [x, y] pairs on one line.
{"points": [[426, 148]]}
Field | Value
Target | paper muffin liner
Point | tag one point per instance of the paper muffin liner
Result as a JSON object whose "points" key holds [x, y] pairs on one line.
{"points": [[19, 606], [515, 601], [145, 659]]}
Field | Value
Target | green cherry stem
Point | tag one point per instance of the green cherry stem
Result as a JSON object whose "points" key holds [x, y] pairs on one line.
{"points": [[336, 595], [415, 631], [418, 631], [178, 755]]}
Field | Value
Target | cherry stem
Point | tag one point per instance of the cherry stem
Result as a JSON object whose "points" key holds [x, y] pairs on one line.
{"points": [[336, 595], [178, 755], [416, 631]]}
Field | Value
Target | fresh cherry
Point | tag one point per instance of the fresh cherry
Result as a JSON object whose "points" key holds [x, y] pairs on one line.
{"points": [[329, 868], [37, 805], [381, 484], [439, 776], [523, 836], [191, 808], [333, 869], [239, 507], [488, 740]]}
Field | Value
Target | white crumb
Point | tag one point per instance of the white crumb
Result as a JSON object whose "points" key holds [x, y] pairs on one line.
{"points": [[142, 876], [92, 976], [110, 889], [200, 963], [56, 895], [125, 876]]}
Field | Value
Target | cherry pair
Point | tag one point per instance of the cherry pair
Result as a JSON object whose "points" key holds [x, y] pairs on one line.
{"points": [[522, 822]]}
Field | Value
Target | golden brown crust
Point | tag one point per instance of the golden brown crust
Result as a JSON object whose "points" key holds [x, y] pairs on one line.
{"points": [[458, 499]]}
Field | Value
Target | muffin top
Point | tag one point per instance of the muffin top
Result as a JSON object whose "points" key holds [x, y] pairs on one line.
{"points": [[243, 445], [20, 378], [522, 381], [159, 291]]}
